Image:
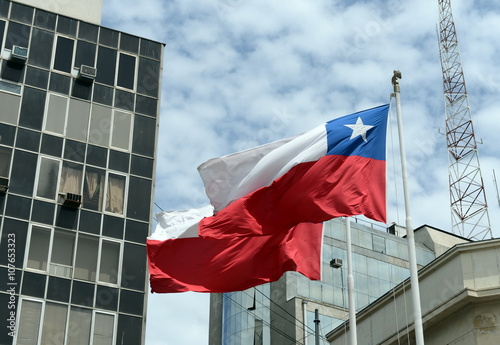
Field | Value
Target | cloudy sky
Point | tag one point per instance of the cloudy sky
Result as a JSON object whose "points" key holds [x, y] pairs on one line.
{"points": [[240, 73]]}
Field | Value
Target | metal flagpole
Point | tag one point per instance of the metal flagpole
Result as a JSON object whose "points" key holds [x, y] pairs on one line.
{"points": [[350, 286], [316, 326], [415, 289]]}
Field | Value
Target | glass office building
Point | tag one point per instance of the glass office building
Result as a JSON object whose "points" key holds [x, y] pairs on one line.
{"points": [[79, 107], [276, 313]]}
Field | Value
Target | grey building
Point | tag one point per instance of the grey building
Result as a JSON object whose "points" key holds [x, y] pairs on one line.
{"points": [[460, 302], [79, 107], [283, 312]]}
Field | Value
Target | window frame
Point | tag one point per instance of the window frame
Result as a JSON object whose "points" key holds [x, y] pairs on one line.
{"points": [[50, 247], [37, 178], [114, 115], [46, 113], [93, 322], [68, 326], [125, 193], [99, 261], [73, 53], [117, 70]]}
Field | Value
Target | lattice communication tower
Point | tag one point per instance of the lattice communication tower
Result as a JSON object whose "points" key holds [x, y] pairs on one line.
{"points": [[469, 210]]}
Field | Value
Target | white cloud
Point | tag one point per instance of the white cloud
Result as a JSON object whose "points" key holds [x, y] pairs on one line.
{"points": [[240, 73]]}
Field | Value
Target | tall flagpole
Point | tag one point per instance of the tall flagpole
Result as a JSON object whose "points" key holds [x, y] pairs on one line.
{"points": [[350, 286], [415, 289]]}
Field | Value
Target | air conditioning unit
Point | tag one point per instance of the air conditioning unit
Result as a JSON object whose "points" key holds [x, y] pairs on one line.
{"points": [[4, 184], [72, 200], [18, 54], [87, 73], [336, 263]]}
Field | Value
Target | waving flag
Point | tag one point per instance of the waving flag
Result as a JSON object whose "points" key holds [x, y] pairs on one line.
{"points": [[269, 203], [180, 261], [334, 170]]}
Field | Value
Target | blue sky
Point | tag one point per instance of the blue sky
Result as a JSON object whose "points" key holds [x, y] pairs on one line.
{"points": [[240, 73]]}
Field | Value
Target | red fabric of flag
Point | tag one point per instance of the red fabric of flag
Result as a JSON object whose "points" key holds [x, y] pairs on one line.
{"points": [[233, 264]]}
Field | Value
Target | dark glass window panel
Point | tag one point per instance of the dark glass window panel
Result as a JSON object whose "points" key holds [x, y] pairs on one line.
{"points": [[64, 54], [19, 229], [139, 195], [43, 212], [7, 134], [82, 294], [88, 32], [74, 150], [67, 217], [33, 284], [2, 30], [32, 108], [82, 89], [119, 161], [22, 176], [59, 289], [106, 298], [4, 8], [59, 83], [129, 330], [124, 100], [45, 20], [141, 166], [113, 227], [126, 71], [37, 77], [136, 231], [28, 140], [106, 65], [12, 71], [129, 43], [134, 267], [21, 13], [67, 26], [52, 145], [144, 136], [150, 49], [131, 302], [5, 160], [97, 156], [93, 193], [17, 34], [18, 207], [85, 54], [103, 94], [39, 55], [148, 77], [146, 105], [90, 222], [108, 37]]}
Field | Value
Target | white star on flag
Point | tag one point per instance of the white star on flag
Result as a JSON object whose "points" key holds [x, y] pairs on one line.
{"points": [[359, 129]]}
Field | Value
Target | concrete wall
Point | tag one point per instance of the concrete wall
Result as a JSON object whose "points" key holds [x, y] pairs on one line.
{"points": [[88, 10]]}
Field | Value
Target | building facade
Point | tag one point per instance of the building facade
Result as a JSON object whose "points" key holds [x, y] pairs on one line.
{"points": [[459, 298], [283, 312], [79, 107]]}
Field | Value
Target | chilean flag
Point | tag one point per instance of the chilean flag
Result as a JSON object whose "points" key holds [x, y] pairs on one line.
{"points": [[268, 205], [337, 169]]}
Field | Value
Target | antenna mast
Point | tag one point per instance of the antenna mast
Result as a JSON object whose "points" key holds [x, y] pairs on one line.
{"points": [[469, 210]]}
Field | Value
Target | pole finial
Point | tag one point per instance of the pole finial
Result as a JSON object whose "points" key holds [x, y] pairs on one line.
{"points": [[395, 82]]}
